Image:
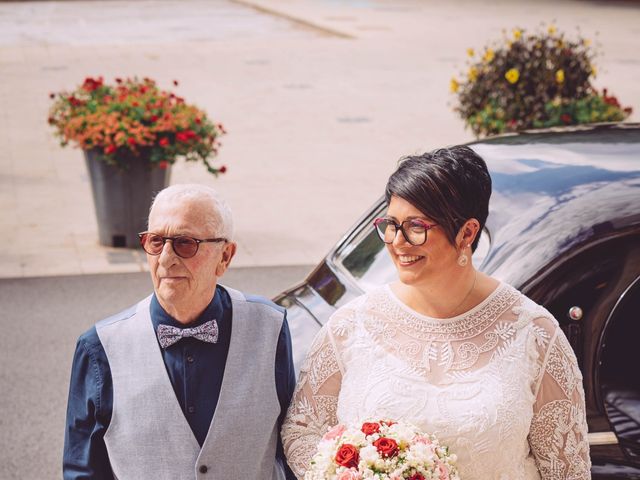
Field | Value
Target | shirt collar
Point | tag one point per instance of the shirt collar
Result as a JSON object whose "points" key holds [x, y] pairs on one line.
{"points": [[213, 311]]}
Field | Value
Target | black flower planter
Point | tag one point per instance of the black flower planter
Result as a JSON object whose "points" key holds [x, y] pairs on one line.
{"points": [[122, 197]]}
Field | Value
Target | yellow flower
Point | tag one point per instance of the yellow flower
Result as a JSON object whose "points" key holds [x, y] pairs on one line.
{"points": [[473, 74], [594, 71], [454, 85], [512, 75], [517, 33], [470, 52], [551, 29], [560, 76], [488, 55], [556, 101], [586, 42]]}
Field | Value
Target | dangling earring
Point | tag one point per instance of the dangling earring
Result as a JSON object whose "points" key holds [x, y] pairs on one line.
{"points": [[463, 259]]}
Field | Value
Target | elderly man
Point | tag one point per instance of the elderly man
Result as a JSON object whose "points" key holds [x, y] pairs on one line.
{"points": [[193, 382]]}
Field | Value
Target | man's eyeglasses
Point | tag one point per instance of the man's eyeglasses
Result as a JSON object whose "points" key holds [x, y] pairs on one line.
{"points": [[183, 246], [414, 231]]}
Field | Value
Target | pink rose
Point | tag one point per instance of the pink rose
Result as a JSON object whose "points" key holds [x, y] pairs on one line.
{"points": [[350, 475], [334, 433], [421, 439]]}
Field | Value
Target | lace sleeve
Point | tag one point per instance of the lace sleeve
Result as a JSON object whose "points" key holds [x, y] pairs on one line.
{"points": [[313, 407], [558, 435]]}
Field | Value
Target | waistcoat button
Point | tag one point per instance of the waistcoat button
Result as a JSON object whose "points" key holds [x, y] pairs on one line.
{"points": [[203, 469]]}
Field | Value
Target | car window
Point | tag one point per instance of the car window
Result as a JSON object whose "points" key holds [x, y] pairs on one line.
{"points": [[364, 258]]}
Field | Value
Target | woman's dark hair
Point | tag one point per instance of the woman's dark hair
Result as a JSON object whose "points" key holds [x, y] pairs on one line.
{"points": [[448, 185]]}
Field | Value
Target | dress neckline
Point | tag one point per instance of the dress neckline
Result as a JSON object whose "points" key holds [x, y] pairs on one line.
{"points": [[461, 326]]}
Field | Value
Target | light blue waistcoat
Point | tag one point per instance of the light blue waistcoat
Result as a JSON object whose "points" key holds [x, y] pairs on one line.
{"points": [[149, 437]]}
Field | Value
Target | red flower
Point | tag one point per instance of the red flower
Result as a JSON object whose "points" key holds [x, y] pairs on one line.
{"points": [[164, 141], [198, 120], [163, 164], [154, 118], [222, 169], [91, 84], [628, 110], [185, 136], [143, 89], [75, 102], [118, 80], [387, 447], [131, 141], [566, 118], [109, 149], [370, 428], [416, 476], [347, 456], [135, 104]]}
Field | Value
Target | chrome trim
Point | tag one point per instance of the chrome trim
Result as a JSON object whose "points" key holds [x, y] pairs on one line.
{"points": [[602, 438]]}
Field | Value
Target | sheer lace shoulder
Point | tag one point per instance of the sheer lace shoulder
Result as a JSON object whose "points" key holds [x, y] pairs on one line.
{"points": [[558, 434], [313, 407]]}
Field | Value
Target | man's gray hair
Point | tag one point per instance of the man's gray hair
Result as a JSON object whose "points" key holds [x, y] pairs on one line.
{"points": [[221, 220]]}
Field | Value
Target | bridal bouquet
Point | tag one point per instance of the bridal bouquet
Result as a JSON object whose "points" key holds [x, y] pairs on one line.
{"points": [[381, 450]]}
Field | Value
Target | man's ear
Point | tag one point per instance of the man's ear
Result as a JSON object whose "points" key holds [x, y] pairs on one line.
{"points": [[228, 251]]}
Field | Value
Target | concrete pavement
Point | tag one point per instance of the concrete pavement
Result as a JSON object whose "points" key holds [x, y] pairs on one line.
{"points": [[320, 98]]}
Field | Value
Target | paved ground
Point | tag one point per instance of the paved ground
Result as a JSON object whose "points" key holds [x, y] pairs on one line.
{"points": [[320, 98], [37, 347]]}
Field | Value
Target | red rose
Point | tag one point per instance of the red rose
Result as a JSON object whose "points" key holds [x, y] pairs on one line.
{"points": [[109, 149], [370, 428], [131, 140], [347, 456], [163, 164], [416, 476], [198, 121], [222, 169], [154, 118], [565, 117], [387, 447], [164, 141]]}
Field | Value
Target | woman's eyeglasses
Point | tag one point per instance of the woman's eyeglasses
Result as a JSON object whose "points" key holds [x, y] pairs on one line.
{"points": [[414, 231], [183, 245]]}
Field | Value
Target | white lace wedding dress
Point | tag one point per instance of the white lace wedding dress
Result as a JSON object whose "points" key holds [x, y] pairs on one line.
{"points": [[499, 385]]}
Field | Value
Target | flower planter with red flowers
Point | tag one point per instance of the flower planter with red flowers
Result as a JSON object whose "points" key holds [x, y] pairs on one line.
{"points": [[131, 133]]}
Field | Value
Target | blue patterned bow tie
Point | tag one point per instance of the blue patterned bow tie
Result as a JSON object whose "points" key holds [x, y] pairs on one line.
{"points": [[207, 332]]}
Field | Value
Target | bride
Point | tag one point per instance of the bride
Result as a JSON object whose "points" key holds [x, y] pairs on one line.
{"points": [[447, 348]]}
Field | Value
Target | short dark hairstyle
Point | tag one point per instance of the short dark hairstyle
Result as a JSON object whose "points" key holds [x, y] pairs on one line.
{"points": [[448, 185]]}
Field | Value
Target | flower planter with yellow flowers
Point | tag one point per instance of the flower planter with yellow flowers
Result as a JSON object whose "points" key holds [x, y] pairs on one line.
{"points": [[532, 80], [131, 133]]}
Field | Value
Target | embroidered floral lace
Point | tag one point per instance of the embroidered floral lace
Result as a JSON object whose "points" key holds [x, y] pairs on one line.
{"points": [[499, 385]]}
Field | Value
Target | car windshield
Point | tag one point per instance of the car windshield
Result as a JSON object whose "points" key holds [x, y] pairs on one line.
{"points": [[364, 258]]}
